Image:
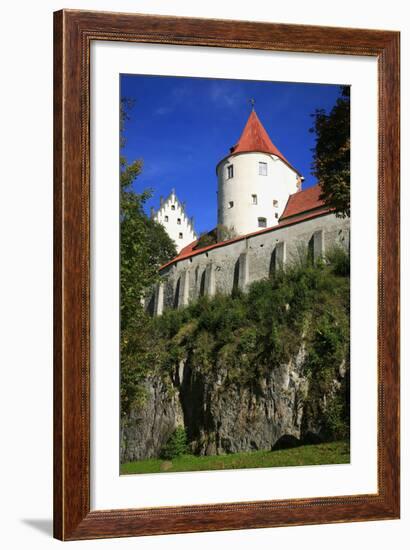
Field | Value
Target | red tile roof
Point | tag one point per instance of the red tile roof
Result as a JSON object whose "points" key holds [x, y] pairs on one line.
{"points": [[302, 202], [188, 248], [255, 138], [301, 206]]}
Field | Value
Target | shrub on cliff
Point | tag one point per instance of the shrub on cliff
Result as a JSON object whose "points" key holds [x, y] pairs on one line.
{"points": [[248, 334], [176, 445]]}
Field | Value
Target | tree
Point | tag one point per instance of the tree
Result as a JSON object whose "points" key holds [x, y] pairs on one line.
{"points": [[331, 163], [144, 247]]}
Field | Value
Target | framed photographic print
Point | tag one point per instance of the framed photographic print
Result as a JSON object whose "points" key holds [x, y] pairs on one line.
{"points": [[226, 275]]}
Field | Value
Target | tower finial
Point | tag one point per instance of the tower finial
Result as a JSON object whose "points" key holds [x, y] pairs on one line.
{"points": [[252, 102]]}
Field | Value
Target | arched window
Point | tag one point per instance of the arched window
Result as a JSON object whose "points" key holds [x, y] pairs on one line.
{"points": [[181, 235], [166, 218], [230, 204], [179, 221]]}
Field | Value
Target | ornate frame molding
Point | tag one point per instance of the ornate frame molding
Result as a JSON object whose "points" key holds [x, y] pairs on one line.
{"points": [[73, 33]]}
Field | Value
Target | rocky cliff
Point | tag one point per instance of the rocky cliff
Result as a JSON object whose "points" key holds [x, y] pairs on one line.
{"points": [[252, 371], [225, 416]]}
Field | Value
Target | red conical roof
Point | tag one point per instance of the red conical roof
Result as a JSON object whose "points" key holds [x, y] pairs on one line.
{"points": [[255, 138]]}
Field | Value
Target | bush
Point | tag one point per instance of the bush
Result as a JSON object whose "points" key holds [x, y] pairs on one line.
{"points": [[205, 240], [225, 233], [176, 445], [339, 261], [336, 421]]}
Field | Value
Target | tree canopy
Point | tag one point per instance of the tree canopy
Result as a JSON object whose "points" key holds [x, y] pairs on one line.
{"points": [[331, 162], [144, 247]]}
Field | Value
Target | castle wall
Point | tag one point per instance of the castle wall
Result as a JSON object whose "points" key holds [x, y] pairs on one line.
{"points": [[237, 264]]}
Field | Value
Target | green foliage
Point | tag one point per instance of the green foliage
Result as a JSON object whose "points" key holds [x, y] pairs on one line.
{"points": [[336, 421], [176, 445], [206, 238], [331, 164], [339, 261], [248, 334], [144, 246], [327, 348], [225, 233], [220, 234]]}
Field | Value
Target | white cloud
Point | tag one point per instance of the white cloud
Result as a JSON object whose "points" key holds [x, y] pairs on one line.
{"points": [[225, 95], [175, 98], [161, 111]]}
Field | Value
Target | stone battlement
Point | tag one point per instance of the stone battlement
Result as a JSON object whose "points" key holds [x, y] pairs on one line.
{"points": [[234, 265]]}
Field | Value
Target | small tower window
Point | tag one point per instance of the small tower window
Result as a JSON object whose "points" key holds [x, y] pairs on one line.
{"points": [[166, 218], [263, 169], [276, 215], [261, 222], [172, 206], [229, 171], [230, 204], [179, 221], [181, 235], [275, 204], [254, 199]]}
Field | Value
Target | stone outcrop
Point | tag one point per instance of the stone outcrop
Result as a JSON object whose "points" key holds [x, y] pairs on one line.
{"points": [[147, 428], [229, 417], [222, 415]]}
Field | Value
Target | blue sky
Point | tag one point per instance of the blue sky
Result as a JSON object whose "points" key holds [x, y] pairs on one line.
{"points": [[182, 127]]}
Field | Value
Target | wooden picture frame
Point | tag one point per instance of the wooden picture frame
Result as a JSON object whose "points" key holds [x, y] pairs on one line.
{"points": [[74, 32]]}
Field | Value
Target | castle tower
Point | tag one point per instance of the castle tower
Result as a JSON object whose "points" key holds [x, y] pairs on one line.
{"points": [[254, 181], [172, 216]]}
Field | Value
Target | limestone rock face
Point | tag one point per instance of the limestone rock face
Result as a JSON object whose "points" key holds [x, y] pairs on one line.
{"points": [[225, 416], [147, 428]]}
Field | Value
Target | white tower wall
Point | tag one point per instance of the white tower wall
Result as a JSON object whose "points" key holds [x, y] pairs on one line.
{"points": [[280, 182]]}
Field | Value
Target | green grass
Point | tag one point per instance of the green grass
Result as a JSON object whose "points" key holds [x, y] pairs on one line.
{"points": [[325, 453]]}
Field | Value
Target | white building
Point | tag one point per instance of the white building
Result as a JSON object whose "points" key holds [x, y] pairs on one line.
{"points": [[260, 198], [254, 181], [172, 216]]}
